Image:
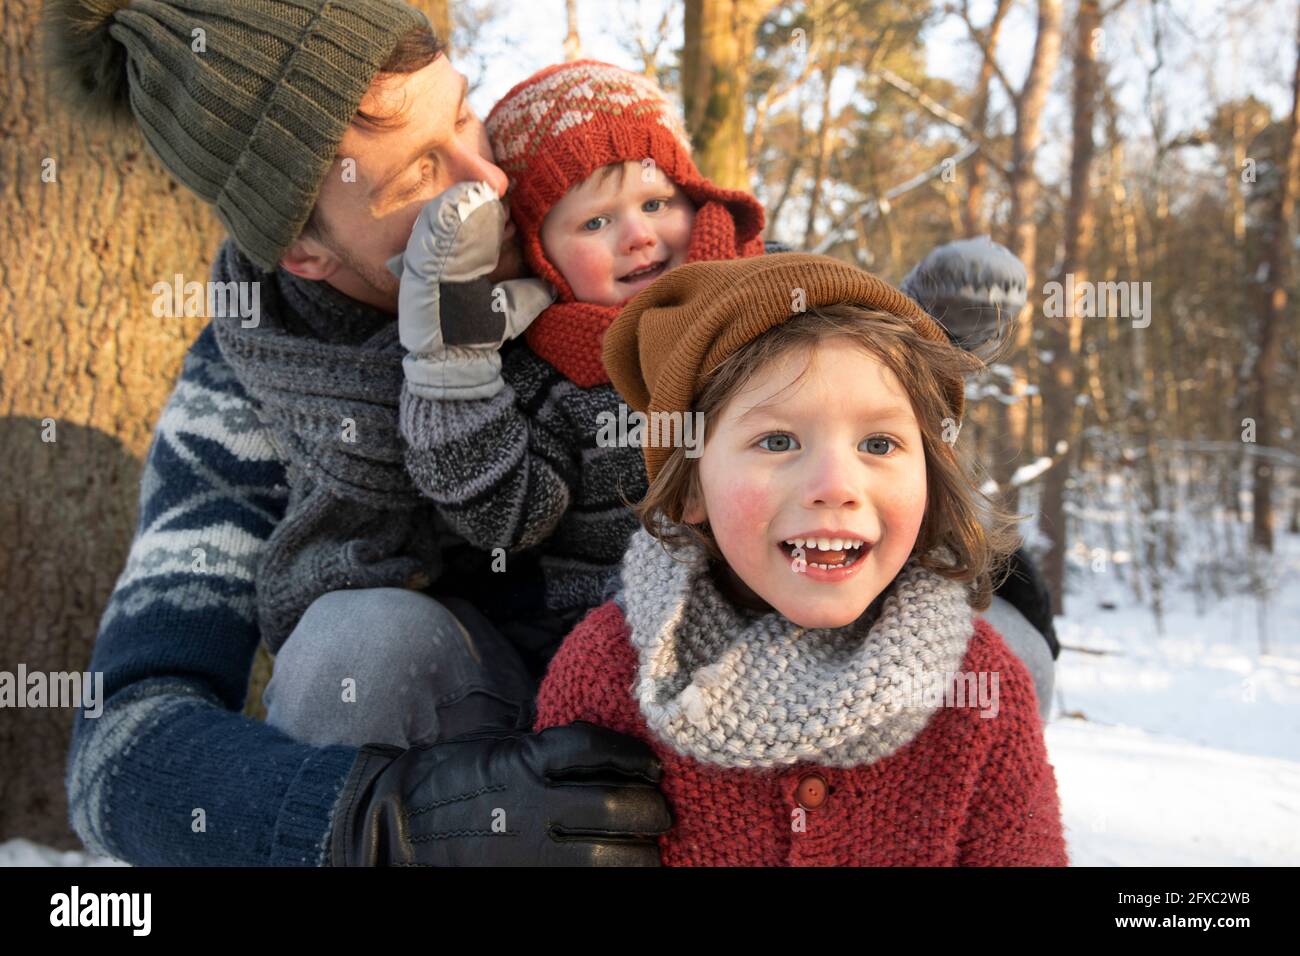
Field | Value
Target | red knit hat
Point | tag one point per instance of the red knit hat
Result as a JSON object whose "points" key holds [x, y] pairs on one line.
{"points": [[563, 123]]}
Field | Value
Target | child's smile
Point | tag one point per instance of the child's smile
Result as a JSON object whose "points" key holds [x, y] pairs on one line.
{"points": [[814, 484], [825, 552]]}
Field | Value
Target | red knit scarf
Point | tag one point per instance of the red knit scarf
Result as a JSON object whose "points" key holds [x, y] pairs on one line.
{"points": [[569, 335]]}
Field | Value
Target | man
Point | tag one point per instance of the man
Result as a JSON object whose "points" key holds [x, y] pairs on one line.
{"points": [[318, 130]]}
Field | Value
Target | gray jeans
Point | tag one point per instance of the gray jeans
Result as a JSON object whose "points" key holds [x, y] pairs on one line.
{"points": [[391, 666]]}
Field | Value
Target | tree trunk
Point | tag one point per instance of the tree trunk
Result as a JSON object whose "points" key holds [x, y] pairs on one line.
{"points": [[84, 371], [972, 207], [1274, 315], [1012, 422], [719, 44], [439, 14], [1062, 334], [572, 40]]}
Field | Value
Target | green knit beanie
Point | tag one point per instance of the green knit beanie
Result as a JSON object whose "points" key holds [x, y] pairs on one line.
{"points": [[244, 101]]}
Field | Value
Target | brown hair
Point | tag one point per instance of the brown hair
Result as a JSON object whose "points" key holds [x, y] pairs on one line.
{"points": [[415, 50], [964, 536]]}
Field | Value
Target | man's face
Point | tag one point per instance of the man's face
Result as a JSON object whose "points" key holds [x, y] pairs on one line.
{"points": [[815, 488], [612, 236], [430, 141]]}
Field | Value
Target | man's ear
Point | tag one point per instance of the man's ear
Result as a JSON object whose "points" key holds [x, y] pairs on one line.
{"points": [[309, 259]]}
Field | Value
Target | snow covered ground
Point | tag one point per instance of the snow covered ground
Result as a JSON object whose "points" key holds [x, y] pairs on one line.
{"points": [[1181, 748], [1175, 746]]}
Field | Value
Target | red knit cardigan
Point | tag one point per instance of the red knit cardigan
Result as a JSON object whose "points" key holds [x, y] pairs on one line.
{"points": [[967, 791]]}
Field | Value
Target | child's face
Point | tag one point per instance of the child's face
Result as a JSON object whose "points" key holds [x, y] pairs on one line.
{"points": [[612, 237], [837, 455]]}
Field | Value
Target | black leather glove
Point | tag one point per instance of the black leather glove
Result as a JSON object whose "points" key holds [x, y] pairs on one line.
{"points": [[579, 795]]}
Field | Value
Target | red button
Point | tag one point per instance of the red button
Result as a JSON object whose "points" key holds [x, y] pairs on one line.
{"points": [[811, 792]]}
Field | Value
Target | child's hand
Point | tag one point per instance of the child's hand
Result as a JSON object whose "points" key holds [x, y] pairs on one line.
{"points": [[458, 234], [451, 318]]}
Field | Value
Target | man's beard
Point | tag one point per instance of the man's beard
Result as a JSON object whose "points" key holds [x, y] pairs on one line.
{"points": [[383, 283]]}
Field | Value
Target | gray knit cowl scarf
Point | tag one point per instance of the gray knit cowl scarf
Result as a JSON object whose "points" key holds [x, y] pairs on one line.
{"points": [[326, 373], [737, 687]]}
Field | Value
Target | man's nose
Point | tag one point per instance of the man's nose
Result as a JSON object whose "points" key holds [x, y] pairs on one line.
{"points": [[469, 166]]}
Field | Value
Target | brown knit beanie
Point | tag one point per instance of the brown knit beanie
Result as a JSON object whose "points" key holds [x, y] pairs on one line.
{"points": [[666, 343]]}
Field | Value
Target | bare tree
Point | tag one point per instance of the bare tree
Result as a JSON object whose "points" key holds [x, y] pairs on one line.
{"points": [[1011, 425], [825, 136], [987, 40], [1062, 334], [1278, 264], [439, 14], [719, 43], [572, 41]]}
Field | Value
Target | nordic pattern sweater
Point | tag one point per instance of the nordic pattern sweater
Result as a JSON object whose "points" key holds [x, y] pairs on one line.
{"points": [[176, 645]]}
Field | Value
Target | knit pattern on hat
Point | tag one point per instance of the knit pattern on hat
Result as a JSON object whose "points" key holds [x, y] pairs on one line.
{"points": [[740, 688]]}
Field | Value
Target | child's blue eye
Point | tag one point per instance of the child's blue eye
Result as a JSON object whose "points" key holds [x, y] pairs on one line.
{"points": [[780, 437], [661, 203], [875, 442], [594, 219]]}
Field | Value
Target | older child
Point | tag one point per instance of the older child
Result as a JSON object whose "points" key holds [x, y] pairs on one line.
{"points": [[795, 634]]}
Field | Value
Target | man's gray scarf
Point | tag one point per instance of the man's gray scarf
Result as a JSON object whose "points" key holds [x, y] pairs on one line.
{"points": [[326, 373], [742, 688]]}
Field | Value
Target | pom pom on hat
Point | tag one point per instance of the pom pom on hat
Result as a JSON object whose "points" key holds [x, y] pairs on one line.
{"points": [[88, 67]]}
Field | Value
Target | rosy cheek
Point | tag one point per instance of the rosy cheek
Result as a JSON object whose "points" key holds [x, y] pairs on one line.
{"points": [[752, 504], [741, 520], [588, 268], [903, 509], [684, 230]]}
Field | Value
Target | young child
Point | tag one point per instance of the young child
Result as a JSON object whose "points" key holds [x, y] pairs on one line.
{"points": [[795, 634]]}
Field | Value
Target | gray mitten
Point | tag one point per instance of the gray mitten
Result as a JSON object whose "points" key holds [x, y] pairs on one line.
{"points": [[451, 319], [974, 288]]}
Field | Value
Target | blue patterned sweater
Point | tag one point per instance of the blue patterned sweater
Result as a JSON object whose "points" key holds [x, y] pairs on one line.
{"points": [[172, 773]]}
